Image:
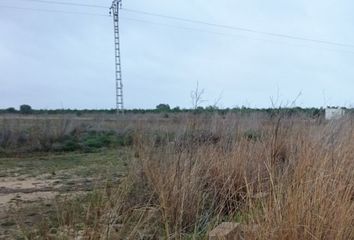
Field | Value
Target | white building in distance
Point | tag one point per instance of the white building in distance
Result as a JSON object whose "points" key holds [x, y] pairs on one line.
{"points": [[334, 113]]}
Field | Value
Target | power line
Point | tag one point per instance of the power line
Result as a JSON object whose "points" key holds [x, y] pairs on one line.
{"points": [[236, 28], [135, 20], [66, 3], [55, 11], [167, 25], [233, 35], [279, 35]]}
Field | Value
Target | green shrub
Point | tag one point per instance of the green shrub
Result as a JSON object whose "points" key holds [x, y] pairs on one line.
{"points": [[71, 145]]}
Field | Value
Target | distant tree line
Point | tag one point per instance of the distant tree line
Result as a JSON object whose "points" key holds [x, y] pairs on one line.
{"points": [[166, 109]]}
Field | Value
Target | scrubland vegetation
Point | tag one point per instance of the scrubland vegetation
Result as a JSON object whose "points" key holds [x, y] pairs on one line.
{"points": [[282, 176]]}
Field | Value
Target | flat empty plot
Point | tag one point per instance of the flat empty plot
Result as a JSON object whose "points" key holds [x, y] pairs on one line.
{"points": [[30, 186]]}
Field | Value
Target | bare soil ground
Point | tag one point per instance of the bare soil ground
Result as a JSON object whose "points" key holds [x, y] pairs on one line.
{"points": [[30, 186]]}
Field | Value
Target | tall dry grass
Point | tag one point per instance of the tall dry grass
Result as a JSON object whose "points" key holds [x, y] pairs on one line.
{"points": [[293, 178]]}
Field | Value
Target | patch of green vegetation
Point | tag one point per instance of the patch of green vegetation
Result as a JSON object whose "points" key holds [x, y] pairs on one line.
{"points": [[32, 140], [81, 164], [69, 145], [93, 140]]}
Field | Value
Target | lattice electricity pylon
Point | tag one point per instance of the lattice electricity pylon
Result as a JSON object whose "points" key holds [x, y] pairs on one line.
{"points": [[116, 5]]}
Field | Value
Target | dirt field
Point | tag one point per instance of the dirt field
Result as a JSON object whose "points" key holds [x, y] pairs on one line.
{"points": [[31, 186]]}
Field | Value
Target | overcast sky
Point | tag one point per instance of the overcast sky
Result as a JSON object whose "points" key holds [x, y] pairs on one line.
{"points": [[56, 60]]}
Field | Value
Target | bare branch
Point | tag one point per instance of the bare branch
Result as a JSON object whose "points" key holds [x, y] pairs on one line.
{"points": [[197, 97]]}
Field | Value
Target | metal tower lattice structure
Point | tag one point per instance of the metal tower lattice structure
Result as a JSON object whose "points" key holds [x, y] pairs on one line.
{"points": [[115, 8]]}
